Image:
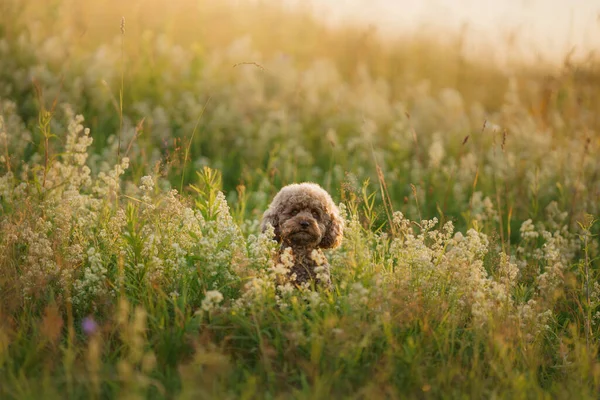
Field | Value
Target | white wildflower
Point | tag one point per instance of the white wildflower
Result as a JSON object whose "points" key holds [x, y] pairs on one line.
{"points": [[318, 257], [211, 300], [528, 230], [436, 153], [287, 257], [146, 183]]}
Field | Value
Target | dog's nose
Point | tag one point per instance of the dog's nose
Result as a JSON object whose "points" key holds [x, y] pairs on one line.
{"points": [[304, 224]]}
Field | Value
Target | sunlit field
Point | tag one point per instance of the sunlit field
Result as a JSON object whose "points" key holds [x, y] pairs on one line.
{"points": [[141, 142]]}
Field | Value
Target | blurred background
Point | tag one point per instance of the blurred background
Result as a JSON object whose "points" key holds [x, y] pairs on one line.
{"points": [[529, 29], [275, 91]]}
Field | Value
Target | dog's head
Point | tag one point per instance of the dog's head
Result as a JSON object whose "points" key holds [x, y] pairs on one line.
{"points": [[304, 215]]}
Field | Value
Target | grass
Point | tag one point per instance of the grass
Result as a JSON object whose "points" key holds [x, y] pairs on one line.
{"points": [[131, 259]]}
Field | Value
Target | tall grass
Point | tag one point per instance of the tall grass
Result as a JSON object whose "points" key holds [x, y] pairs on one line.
{"points": [[131, 259]]}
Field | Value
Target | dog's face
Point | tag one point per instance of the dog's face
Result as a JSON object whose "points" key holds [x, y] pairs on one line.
{"points": [[304, 215], [302, 225]]}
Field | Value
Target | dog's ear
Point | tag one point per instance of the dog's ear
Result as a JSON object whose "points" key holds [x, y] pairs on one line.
{"points": [[335, 231], [271, 217]]}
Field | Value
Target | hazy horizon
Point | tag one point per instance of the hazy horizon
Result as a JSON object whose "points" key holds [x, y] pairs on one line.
{"points": [[520, 28]]}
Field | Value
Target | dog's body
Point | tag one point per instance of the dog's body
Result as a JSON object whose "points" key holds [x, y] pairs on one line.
{"points": [[309, 266], [305, 219]]}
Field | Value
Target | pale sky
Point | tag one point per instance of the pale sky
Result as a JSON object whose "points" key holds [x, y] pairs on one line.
{"points": [[547, 27]]}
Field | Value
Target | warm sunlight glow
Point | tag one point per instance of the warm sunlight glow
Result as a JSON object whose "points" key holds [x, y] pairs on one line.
{"points": [[533, 28]]}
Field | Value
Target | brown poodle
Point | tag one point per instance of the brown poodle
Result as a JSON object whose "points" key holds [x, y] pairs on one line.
{"points": [[305, 220]]}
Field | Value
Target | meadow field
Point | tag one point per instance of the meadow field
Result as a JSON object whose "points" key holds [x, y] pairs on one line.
{"points": [[141, 141]]}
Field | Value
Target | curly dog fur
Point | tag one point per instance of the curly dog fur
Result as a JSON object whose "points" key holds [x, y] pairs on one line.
{"points": [[305, 219]]}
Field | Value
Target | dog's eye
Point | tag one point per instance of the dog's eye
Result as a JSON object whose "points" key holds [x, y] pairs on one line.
{"points": [[315, 214], [294, 211]]}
